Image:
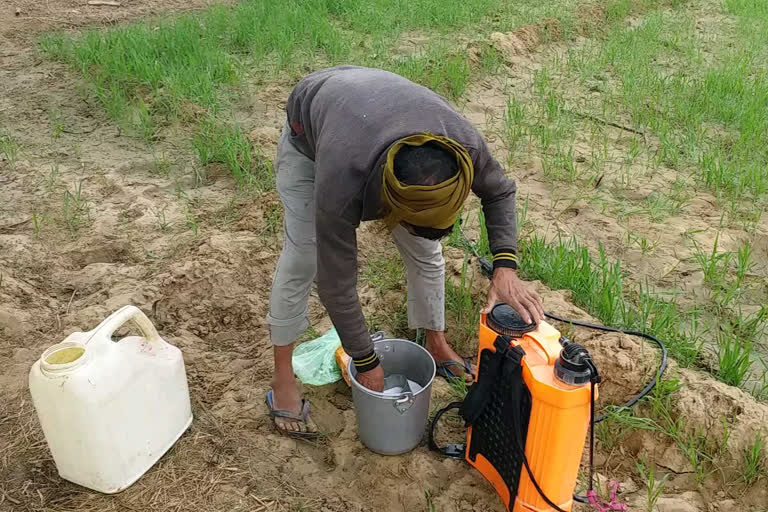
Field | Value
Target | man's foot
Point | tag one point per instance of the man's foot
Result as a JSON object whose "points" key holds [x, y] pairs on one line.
{"points": [[290, 412], [444, 355]]}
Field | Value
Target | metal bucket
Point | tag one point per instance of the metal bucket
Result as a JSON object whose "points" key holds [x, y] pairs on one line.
{"points": [[394, 424]]}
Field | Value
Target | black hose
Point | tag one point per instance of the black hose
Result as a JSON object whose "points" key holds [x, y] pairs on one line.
{"points": [[651, 384]]}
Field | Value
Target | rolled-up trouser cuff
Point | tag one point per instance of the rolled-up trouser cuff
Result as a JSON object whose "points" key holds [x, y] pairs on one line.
{"points": [[285, 332], [429, 316]]}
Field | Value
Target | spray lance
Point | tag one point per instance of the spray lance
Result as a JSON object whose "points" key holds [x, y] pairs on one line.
{"points": [[530, 409]]}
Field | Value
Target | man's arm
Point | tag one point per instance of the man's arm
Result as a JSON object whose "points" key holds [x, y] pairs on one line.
{"points": [[337, 287], [337, 281], [497, 195]]}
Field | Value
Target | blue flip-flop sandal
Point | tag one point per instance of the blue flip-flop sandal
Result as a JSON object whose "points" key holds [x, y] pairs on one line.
{"points": [[444, 369], [302, 417]]}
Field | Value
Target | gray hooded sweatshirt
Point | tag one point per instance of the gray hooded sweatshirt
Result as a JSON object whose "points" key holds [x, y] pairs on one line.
{"points": [[345, 119]]}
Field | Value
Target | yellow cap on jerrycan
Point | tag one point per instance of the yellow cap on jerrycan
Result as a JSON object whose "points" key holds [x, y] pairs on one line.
{"points": [[554, 415]]}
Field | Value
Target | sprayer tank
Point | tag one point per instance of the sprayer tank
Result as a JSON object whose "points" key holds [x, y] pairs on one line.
{"points": [[557, 425]]}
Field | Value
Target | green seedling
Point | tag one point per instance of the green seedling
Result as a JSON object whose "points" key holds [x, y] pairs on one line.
{"points": [[192, 221], [727, 165], [385, 273], [713, 264], [747, 216], [553, 105], [163, 223], [481, 246], [755, 463], [51, 179], [561, 166], [161, 165], [524, 225], [724, 297], [734, 357], [227, 144], [229, 214], [654, 486], [75, 209], [430, 505], [645, 245], [394, 321], [273, 221], [751, 327], [759, 389], [618, 424], [143, 123], [744, 263], [722, 447], [441, 69], [490, 60], [187, 67], [697, 450], [659, 207], [57, 123], [597, 285], [460, 303], [456, 238], [459, 388], [514, 126], [9, 149], [37, 223], [660, 399], [542, 82], [633, 152]]}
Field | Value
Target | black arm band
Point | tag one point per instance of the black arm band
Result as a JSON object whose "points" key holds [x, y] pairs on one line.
{"points": [[367, 362], [505, 258]]}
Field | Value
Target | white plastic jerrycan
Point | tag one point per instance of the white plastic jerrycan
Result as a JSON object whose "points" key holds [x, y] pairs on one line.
{"points": [[110, 408]]}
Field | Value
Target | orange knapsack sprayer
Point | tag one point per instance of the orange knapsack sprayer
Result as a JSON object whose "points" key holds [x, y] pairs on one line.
{"points": [[528, 414]]}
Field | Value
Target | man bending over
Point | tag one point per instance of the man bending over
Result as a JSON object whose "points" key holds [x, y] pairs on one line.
{"points": [[363, 144]]}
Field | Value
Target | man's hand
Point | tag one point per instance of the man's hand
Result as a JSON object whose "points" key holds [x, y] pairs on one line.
{"points": [[372, 379], [507, 287]]}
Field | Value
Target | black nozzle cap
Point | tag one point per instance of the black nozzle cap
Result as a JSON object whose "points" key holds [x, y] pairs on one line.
{"points": [[575, 366]]}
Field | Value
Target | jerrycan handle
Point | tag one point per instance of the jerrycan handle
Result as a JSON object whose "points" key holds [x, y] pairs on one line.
{"points": [[122, 316], [546, 349]]}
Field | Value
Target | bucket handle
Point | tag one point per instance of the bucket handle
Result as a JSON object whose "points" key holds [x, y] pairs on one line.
{"points": [[403, 403], [378, 336], [120, 317]]}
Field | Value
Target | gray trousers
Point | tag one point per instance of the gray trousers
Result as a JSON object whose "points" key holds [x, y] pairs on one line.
{"points": [[288, 304]]}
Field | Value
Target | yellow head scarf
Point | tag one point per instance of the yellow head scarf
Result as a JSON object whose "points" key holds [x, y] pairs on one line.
{"points": [[433, 206]]}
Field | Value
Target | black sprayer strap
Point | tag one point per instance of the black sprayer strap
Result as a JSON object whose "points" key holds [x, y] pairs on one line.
{"points": [[476, 400], [480, 393]]}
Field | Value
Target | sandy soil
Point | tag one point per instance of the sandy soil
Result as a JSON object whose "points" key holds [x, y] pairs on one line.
{"points": [[197, 255]]}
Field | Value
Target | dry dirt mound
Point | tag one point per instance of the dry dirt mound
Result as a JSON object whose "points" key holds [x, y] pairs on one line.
{"points": [[525, 39]]}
